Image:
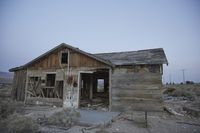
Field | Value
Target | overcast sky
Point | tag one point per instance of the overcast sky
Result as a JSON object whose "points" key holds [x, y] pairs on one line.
{"points": [[29, 28]]}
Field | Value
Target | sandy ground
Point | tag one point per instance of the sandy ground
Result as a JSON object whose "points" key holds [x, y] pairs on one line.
{"points": [[134, 122], [162, 123], [158, 122]]}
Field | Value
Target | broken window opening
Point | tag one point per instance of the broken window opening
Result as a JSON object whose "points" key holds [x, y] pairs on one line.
{"points": [[54, 92], [32, 79], [43, 81], [64, 58], [34, 87], [50, 80], [52, 89]]}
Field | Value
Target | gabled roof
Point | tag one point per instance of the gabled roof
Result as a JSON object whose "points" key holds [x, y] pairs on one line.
{"points": [[63, 45], [149, 56]]}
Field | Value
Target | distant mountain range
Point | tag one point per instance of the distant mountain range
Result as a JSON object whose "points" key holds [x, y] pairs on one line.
{"points": [[6, 77]]}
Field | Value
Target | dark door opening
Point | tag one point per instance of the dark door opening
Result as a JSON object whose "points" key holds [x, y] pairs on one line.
{"points": [[94, 90]]}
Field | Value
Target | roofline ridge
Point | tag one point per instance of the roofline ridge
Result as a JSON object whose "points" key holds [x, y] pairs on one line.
{"points": [[128, 51], [67, 46]]}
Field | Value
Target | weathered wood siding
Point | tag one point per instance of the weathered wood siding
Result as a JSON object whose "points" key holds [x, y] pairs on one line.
{"points": [[51, 63], [135, 88], [19, 84], [80, 60], [75, 60]]}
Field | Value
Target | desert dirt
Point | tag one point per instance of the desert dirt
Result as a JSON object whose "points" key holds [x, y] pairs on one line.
{"points": [[182, 116]]}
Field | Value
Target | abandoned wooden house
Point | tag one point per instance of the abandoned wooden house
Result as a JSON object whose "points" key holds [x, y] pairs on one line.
{"points": [[69, 77]]}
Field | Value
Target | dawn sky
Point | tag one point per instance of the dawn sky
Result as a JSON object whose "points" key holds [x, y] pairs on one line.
{"points": [[28, 28]]}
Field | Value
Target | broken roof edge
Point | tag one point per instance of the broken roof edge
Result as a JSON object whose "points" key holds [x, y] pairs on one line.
{"points": [[166, 61], [116, 52], [16, 68], [59, 46], [135, 64]]}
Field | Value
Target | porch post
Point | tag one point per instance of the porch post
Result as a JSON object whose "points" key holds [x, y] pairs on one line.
{"points": [[26, 86], [110, 89]]}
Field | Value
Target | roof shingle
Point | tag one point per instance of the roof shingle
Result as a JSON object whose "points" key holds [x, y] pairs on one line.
{"points": [[149, 56]]}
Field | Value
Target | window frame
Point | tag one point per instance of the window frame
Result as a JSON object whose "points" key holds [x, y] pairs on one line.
{"points": [[61, 58]]}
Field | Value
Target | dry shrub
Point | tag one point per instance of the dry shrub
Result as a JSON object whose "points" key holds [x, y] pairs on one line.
{"points": [[101, 131], [197, 91], [65, 118], [169, 91], [183, 93], [10, 107], [20, 124]]}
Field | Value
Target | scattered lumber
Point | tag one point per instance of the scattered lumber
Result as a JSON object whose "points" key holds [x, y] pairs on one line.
{"points": [[171, 111], [194, 124]]}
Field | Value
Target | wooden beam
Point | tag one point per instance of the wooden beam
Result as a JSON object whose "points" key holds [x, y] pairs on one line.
{"points": [[26, 86], [110, 89]]}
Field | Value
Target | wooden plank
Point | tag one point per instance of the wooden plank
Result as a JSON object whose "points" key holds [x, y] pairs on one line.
{"points": [[134, 100], [129, 86], [136, 78], [148, 96], [140, 107], [135, 91], [18, 91]]}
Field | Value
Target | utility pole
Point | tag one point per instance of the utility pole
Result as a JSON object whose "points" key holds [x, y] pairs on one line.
{"points": [[170, 78], [183, 71]]}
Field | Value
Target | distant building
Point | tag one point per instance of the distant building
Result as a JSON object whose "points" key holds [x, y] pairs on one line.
{"points": [[69, 77]]}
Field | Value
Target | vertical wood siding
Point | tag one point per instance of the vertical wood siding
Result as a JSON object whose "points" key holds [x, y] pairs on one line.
{"points": [[76, 60], [19, 84]]}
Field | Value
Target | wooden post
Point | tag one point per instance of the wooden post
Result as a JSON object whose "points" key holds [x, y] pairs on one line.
{"points": [[79, 88], [26, 87], [91, 87], [110, 89]]}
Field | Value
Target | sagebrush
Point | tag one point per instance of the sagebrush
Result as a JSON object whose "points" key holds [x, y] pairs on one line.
{"points": [[65, 118], [21, 124], [10, 107]]}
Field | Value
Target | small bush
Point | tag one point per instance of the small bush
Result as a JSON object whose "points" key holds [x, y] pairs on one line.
{"points": [[182, 93], [64, 118], [20, 124], [8, 108], [169, 91], [101, 131]]}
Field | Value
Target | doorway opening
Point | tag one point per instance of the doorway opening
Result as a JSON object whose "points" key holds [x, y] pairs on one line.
{"points": [[94, 90]]}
